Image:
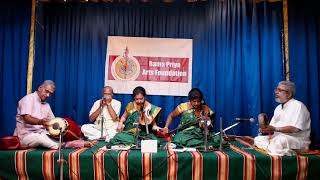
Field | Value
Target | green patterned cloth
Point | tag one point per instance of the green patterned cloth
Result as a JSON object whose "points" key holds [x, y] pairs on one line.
{"points": [[240, 161], [128, 136], [189, 133]]}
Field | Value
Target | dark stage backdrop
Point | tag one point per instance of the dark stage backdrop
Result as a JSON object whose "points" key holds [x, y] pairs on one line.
{"points": [[237, 58], [304, 45], [237, 54], [14, 44]]}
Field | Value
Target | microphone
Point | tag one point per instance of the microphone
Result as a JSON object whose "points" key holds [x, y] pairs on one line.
{"points": [[135, 124], [245, 119], [103, 98], [204, 119]]}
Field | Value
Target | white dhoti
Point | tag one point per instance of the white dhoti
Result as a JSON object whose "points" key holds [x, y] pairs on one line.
{"points": [[281, 144], [39, 139], [92, 132]]}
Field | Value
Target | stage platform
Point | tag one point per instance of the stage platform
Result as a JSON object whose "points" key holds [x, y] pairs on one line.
{"points": [[240, 161]]}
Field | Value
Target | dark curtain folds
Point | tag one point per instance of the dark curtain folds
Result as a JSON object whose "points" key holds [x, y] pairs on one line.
{"points": [[14, 44], [244, 51], [72, 48], [304, 46], [236, 53]]}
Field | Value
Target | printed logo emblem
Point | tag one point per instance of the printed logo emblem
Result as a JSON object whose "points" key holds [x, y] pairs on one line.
{"points": [[125, 67]]}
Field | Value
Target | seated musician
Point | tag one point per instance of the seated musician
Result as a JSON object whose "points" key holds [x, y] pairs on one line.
{"points": [[190, 132], [106, 109], [33, 115], [140, 112], [289, 127]]}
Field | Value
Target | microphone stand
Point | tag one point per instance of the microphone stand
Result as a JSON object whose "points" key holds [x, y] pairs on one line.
{"points": [[147, 128], [137, 131], [102, 121], [205, 121], [61, 158], [147, 125], [221, 139]]}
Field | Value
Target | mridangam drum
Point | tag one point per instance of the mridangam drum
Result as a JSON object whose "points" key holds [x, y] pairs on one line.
{"points": [[68, 128], [57, 126], [263, 120]]}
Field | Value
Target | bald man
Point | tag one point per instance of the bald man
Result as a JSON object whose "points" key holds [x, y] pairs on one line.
{"points": [[106, 109]]}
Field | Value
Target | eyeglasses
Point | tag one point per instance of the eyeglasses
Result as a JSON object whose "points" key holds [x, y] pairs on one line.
{"points": [[280, 90]]}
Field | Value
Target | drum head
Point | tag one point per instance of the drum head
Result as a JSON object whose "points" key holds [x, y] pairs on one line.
{"points": [[57, 126]]}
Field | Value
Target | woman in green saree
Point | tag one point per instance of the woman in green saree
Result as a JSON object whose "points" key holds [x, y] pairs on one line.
{"points": [[138, 112], [194, 114]]}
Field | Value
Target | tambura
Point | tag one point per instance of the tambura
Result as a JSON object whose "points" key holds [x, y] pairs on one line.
{"points": [[57, 126], [68, 128]]}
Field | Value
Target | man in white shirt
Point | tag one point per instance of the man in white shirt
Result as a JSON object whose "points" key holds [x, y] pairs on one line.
{"points": [[290, 124], [104, 110]]}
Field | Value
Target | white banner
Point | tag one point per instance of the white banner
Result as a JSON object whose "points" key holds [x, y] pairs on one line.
{"points": [[163, 66]]}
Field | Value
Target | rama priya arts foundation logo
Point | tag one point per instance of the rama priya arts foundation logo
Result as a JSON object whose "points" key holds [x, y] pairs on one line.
{"points": [[125, 67]]}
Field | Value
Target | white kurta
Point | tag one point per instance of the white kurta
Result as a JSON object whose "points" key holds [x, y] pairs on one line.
{"points": [[93, 131], [293, 113], [33, 135]]}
